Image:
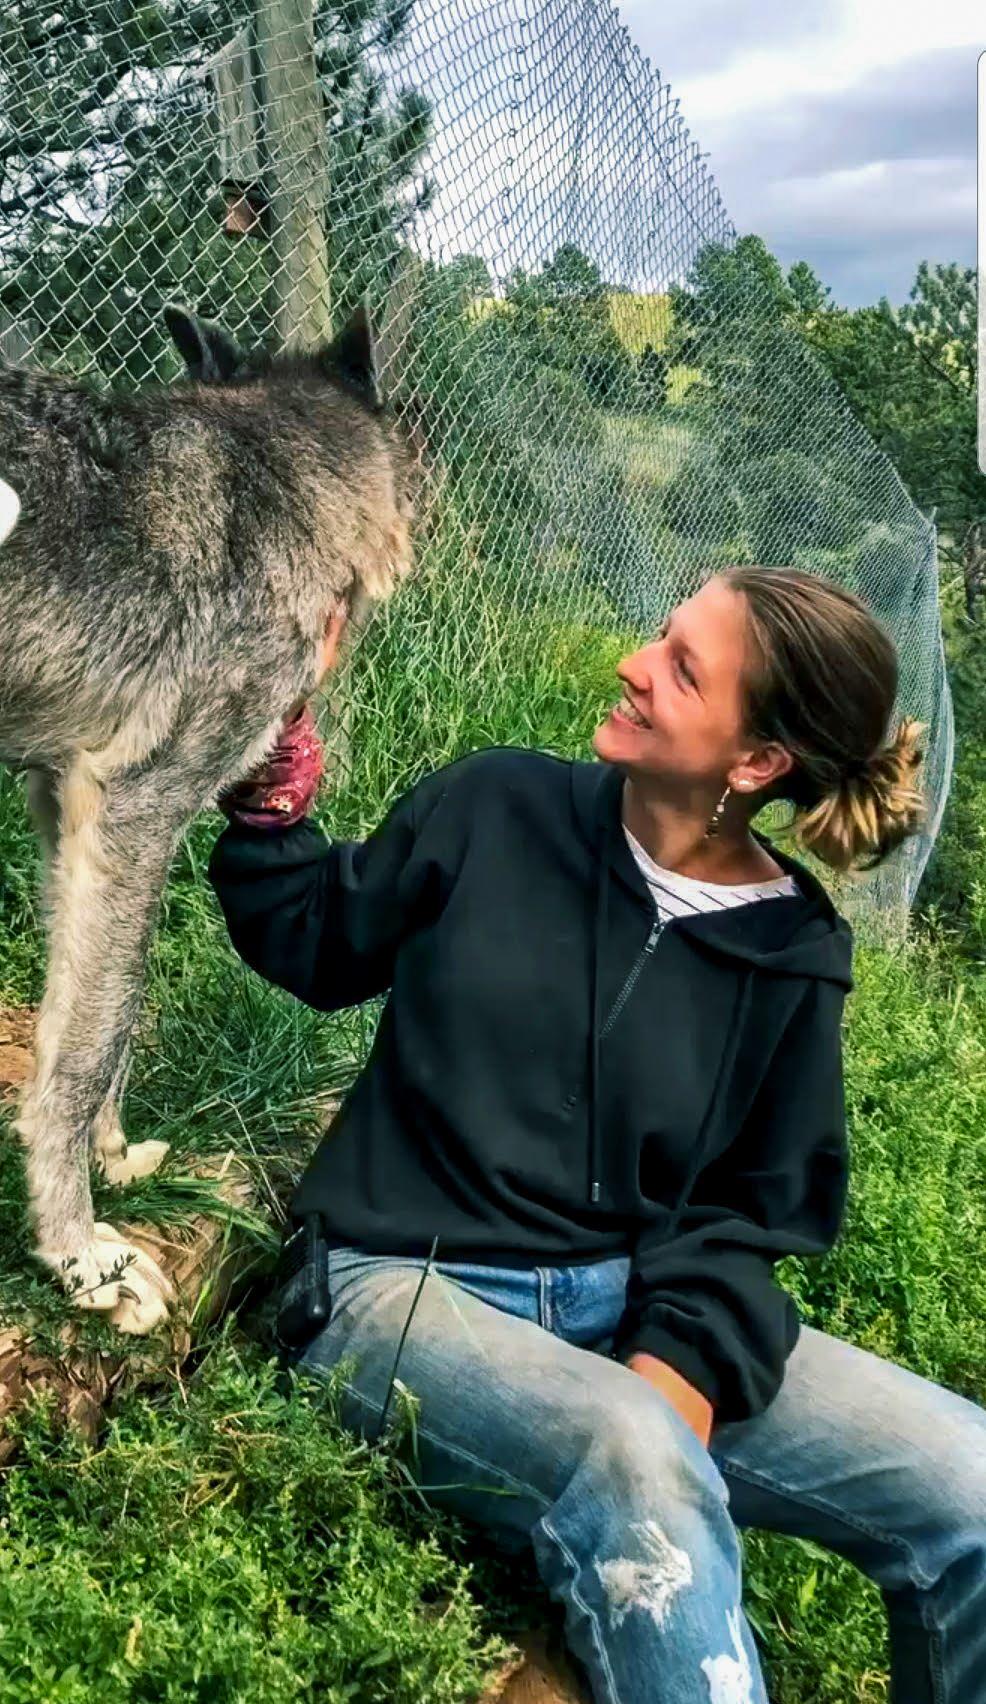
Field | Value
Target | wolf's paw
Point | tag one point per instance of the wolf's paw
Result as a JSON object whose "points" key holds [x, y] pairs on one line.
{"points": [[110, 1276], [134, 1160]]}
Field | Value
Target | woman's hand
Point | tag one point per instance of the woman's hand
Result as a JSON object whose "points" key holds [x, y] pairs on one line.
{"points": [[282, 791], [694, 1408]]}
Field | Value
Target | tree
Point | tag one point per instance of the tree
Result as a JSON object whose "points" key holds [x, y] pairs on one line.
{"points": [[572, 276], [727, 289], [108, 171], [909, 374], [562, 317], [468, 277], [654, 375], [376, 188], [808, 295], [772, 472]]}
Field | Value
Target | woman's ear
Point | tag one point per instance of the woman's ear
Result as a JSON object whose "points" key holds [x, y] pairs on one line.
{"points": [[761, 769]]}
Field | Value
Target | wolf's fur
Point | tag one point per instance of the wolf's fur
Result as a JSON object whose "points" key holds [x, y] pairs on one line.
{"points": [[162, 601]]}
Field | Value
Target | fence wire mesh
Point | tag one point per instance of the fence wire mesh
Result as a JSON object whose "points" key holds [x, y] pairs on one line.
{"points": [[613, 399]]}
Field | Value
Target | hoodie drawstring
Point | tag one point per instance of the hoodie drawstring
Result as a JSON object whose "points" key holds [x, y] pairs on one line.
{"points": [[602, 918]]}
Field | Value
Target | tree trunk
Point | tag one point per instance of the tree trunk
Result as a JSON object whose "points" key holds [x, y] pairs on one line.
{"points": [[295, 172]]}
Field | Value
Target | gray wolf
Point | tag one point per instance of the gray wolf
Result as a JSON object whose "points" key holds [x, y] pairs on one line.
{"points": [[169, 562]]}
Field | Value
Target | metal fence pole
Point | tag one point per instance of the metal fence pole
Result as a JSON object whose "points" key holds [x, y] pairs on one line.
{"points": [[295, 171]]}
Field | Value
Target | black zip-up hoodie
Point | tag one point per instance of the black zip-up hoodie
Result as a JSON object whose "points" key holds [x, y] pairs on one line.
{"points": [[555, 1078]]}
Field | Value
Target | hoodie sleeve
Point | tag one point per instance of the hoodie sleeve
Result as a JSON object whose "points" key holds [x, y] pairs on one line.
{"points": [[324, 919], [703, 1298]]}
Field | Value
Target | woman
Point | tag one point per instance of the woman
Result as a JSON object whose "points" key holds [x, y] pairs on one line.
{"points": [[606, 1092]]}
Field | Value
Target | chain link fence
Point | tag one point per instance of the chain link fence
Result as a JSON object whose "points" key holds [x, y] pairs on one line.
{"points": [[613, 398]]}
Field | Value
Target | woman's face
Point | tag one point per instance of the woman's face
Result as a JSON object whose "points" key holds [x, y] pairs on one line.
{"points": [[681, 717]]}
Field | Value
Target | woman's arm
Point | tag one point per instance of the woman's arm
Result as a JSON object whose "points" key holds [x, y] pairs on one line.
{"points": [[703, 1300], [324, 919]]}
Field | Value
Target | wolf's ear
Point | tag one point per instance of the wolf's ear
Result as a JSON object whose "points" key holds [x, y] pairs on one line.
{"points": [[352, 355], [209, 352]]}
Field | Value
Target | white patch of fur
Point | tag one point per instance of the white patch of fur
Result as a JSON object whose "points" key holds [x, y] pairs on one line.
{"points": [[650, 1585], [730, 1678], [10, 509]]}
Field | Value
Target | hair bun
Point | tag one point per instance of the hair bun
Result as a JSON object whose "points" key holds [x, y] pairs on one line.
{"points": [[876, 804]]}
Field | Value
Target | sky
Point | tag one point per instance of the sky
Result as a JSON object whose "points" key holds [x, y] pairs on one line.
{"points": [[841, 131]]}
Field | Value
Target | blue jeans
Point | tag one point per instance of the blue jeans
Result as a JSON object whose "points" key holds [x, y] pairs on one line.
{"points": [[527, 1426]]}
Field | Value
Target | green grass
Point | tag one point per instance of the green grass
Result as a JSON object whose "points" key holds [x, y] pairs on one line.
{"points": [[232, 1544], [296, 1562], [649, 450]]}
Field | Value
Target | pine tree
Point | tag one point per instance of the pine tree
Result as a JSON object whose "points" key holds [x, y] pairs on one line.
{"points": [[110, 200]]}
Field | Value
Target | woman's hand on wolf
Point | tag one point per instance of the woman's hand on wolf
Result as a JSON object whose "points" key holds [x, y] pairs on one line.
{"points": [[282, 791], [693, 1407]]}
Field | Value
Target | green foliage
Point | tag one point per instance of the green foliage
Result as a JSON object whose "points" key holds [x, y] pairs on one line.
{"points": [[770, 477], [253, 1553], [654, 376], [953, 893], [910, 376], [109, 175], [561, 317], [376, 144], [907, 1279]]}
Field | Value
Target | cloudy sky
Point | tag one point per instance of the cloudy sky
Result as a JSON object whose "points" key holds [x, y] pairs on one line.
{"points": [[843, 131]]}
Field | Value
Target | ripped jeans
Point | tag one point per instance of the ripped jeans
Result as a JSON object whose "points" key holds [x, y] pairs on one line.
{"points": [[528, 1427]]}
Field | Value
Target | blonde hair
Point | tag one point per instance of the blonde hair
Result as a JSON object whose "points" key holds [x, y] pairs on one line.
{"points": [[823, 685]]}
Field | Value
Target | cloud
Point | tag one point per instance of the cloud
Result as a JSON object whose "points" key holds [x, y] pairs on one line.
{"points": [[707, 35], [923, 109], [844, 136], [863, 182]]}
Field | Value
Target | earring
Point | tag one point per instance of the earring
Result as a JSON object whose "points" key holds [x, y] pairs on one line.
{"points": [[717, 816]]}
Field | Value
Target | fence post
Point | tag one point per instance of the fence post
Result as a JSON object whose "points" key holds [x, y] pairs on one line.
{"points": [[295, 171]]}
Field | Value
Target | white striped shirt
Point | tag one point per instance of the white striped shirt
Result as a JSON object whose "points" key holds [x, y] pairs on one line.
{"points": [[683, 896]]}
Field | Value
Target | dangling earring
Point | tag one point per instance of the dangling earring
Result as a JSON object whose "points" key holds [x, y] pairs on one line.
{"points": [[717, 815]]}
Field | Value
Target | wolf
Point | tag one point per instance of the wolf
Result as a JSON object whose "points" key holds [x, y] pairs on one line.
{"points": [[170, 563]]}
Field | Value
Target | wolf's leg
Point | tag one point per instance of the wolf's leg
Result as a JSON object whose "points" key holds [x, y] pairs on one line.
{"points": [[121, 1162], [117, 837]]}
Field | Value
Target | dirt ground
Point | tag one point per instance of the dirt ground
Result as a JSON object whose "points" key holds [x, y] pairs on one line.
{"points": [[16, 1041]]}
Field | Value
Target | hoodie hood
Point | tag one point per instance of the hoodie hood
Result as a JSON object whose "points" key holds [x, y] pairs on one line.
{"points": [[802, 936]]}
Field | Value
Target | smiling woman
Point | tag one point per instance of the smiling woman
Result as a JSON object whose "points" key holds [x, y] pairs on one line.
{"points": [[781, 685], [604, 1099]]}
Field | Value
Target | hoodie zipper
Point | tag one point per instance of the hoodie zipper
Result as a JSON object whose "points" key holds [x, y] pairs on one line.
{"points": [[630, 982], [633, 977], [656, 931]]}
